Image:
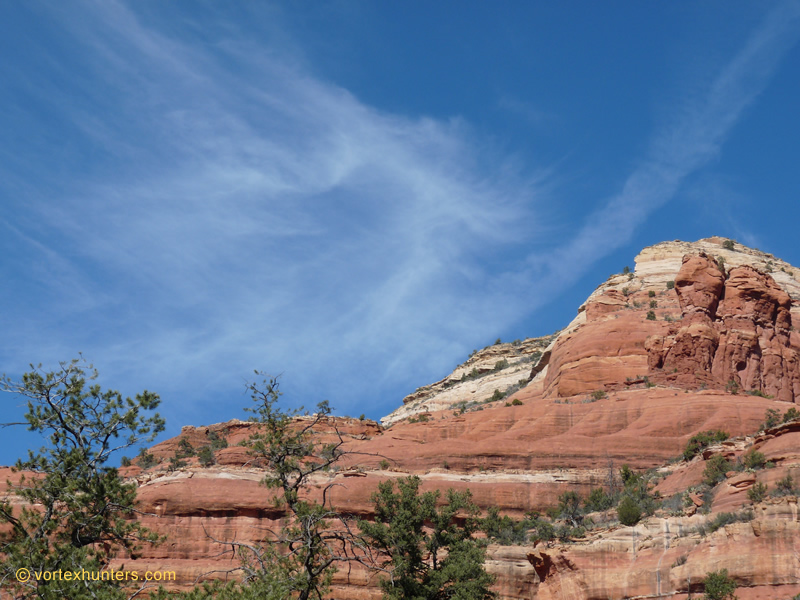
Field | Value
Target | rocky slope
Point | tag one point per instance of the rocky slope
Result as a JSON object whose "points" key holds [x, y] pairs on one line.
{"points": [[652, 358], [683, 344], [496, 369]]}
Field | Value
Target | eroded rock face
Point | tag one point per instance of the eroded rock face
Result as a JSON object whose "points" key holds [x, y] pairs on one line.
{"points": [[734, 332], [699, 285]]}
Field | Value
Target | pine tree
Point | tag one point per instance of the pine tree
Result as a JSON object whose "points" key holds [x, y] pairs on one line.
{"points": [[77, 509]]}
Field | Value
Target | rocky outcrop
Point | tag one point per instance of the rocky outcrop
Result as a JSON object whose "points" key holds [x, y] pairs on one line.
{"points": [[694, 316], [497, 369], [735, 332]]}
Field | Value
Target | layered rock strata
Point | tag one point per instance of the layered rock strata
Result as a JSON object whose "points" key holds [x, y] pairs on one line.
{"points": [[685, 343]]}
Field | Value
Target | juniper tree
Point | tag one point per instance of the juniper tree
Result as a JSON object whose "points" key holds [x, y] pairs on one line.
{"points": [[430, 550]]}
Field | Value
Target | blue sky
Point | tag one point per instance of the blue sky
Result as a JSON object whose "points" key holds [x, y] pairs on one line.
{"points": [[358, 194]]}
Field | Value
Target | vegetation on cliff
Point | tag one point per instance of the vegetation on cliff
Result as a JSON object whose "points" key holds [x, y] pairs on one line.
{"points": [[431, 549]]}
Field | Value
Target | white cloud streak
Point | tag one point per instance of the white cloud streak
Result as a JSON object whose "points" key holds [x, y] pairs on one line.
{"points": [[257, 217], [690, 140]]}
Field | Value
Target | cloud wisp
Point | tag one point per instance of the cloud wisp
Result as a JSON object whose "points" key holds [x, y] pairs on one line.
{"points": [[689, 140], [258, 217]]}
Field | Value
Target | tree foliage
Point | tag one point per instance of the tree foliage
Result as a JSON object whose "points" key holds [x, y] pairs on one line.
{"points": [[300, 559], [715, 470], [702, 440], [628, 511], [569, 508], [718, 586], [76, 508], [505, 530], [431, 552], [599, 500]]}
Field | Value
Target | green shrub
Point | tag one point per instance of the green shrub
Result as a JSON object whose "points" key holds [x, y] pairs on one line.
{"points": [[758, 393], [670, 285], [362, 416], [651, 294], [674, 504], [628, 511], [599, 394], [754, 460], [725, 518], [384, 464], [785, 486], [565, 533], [185, 449], [145, 459], [125, 461], [430, 548], [498, 341], [627, 475], [206, 456], [702, 440], [771, 419], [715, 470], [732, 387], [757, 493], [545, 531], [516, 402], [217, 442], [500, 365], [498, 395], [651, 316], [505, 530], [626, 291], [626, 270], [718, 586], [790, 415], [728, 244], [176, 463], [598, 501], [474, 374], [653, 304], [569, 508]]}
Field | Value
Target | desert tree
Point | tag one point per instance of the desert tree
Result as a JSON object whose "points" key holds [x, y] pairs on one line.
{"points": [[69, 509], [297, 451], [429, 550]]}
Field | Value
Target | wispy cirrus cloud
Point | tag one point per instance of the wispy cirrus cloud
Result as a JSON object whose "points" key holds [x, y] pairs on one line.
{"points": [[245, 214], [686, 141]]}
